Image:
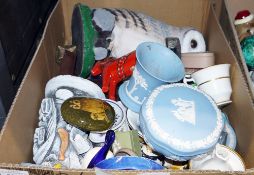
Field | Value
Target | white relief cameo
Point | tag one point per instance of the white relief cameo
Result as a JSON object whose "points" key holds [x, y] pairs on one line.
{"points": [[185, 110], [138, 81]]}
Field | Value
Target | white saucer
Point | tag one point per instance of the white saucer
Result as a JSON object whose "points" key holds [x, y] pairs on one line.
{"points": [[120, 115], [133, 120], [78, 83], [222, 158]]}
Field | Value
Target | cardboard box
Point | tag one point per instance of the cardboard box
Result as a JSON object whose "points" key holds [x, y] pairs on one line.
{"points": [[228, 11], [16, 139]]}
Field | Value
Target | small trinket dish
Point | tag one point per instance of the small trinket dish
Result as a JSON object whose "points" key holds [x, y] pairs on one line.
{"points": [[172, 109], [88, 114], [221, 158]]}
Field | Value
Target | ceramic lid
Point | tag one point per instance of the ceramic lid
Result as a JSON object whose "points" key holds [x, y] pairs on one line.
{"points": [[180, 120]]}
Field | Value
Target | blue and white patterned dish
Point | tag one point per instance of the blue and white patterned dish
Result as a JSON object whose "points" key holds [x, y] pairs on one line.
{"points": [[180, 121], [156, 65]]}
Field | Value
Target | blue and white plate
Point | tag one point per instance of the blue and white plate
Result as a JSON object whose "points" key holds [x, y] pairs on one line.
{"points": [[180, 120]]}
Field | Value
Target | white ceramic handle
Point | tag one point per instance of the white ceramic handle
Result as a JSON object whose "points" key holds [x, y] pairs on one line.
{"points": [[221, 153]]}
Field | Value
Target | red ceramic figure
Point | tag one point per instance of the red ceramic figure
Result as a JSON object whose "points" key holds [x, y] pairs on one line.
{"points": [[114, 71]]}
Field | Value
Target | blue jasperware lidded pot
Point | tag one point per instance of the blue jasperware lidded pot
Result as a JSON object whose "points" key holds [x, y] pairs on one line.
{"points": [[180, 121], [156, 65]]}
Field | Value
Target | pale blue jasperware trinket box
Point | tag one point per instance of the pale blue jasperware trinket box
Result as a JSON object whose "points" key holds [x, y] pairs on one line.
{"points": [[180, 121]]}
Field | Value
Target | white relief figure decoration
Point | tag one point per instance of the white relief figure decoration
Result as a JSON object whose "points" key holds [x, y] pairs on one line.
{"points": [[185, 111], [138, 80]]}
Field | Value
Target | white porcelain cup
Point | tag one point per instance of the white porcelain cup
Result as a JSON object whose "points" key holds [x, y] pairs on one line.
{"points": [[215, 81]]}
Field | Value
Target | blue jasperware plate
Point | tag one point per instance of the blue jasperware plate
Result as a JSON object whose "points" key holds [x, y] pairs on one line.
{"points": [[129, 163], [180, 120]]}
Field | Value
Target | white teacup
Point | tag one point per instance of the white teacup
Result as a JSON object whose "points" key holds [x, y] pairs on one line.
{"points": [[215, 81]]}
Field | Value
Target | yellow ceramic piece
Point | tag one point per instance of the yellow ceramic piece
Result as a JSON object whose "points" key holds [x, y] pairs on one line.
{"points": [[58, 166]]}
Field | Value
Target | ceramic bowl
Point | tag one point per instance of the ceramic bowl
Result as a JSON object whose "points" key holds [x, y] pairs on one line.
{"points": [[129, 163], [215, 81], [221, 158]]}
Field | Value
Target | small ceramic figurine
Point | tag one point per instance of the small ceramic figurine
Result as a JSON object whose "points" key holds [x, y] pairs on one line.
{"points": [[114, 71], [244, 24]]}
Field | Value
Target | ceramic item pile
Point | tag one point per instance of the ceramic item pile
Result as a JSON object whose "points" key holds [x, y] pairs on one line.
{"points": [[140, 105], [244, 24]]}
